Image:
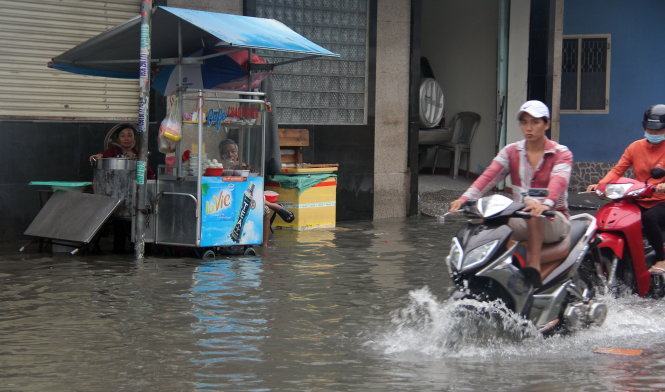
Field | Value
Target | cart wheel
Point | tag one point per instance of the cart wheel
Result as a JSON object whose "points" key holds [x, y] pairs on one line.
{"points": [[209, 255], [250, 251]]}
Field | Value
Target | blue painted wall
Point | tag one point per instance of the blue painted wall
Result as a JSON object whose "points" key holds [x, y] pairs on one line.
{"points": [[637, 73]]}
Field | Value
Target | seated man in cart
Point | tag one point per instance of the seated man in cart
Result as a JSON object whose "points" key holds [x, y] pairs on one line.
{"points": [[228, 152]]}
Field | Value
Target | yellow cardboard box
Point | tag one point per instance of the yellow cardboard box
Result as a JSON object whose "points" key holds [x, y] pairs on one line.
{"points": [[313, 208]]}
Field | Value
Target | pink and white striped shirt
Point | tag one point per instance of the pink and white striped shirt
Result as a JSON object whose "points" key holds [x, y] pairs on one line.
{"points": [[552, 172]]}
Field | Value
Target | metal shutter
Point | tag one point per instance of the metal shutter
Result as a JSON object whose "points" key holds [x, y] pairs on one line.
{"points": [[34, 31]]}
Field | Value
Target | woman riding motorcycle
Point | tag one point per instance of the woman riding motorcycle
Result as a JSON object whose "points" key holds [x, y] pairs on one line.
{"points": [[644, 155], [535, 162]]}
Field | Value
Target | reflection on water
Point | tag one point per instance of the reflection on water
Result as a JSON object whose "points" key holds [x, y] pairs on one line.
{"points": [[359, 307]]}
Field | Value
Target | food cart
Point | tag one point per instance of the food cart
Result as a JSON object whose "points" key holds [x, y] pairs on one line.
{"points": [[185, 205], [230, 211]]}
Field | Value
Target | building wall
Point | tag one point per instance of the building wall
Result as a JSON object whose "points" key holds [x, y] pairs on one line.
{"points": [[637, 79], [353, 151], [351, 146], [39, 150], [46, 150], [460, 40]]}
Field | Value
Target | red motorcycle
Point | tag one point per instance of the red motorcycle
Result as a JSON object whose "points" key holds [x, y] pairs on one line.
{"points": [[621, 256]]}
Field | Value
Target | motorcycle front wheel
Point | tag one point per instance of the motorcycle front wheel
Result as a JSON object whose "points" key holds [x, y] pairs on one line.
{"points": [[615, 275]]}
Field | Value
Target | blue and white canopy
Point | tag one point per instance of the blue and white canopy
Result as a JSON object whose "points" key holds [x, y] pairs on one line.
{"points": [[115, 52]]}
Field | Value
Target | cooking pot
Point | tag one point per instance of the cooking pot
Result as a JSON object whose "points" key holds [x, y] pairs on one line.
{"points": [[116, 164]]}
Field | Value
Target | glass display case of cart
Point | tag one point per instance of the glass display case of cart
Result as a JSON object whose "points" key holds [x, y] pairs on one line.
{"points": [[227, 125]]}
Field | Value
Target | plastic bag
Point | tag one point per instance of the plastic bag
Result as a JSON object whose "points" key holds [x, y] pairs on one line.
{"points": [[171, 126], [165, 145]]}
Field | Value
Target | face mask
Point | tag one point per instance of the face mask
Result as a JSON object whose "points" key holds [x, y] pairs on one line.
{"points": [[654, 139]]}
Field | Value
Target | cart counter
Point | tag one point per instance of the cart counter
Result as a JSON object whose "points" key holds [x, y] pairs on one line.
{"points": [[230, 212]]}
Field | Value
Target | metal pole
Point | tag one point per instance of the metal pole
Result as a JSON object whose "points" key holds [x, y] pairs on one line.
{"points": [[143, 121], [178, 146], [200, 166]]}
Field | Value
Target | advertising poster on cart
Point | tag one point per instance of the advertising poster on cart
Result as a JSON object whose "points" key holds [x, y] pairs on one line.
{"points": [[232, 211]]}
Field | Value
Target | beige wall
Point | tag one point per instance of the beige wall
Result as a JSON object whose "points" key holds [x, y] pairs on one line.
{"points": [[391, 177], [460, 40], [518, 64], [228, 6]]}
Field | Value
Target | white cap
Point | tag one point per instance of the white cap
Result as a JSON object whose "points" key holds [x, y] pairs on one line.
{"points": [[534, 108]]}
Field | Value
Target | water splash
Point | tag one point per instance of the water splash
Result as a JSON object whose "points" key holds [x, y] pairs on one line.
{"points": [[453, 327], [469, 328]]}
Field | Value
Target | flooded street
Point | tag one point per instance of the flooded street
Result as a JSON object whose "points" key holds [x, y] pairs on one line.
{"points": [[360, 308]]}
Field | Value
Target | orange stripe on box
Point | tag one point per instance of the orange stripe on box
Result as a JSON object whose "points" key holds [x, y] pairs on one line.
{"points": [[326, 183], [322, 183]]}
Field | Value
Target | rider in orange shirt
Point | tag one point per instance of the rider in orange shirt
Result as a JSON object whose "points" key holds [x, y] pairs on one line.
{"points": [[644, 155]]}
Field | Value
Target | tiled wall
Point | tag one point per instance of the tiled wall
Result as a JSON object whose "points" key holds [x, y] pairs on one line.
{"points": [[585, 173]]}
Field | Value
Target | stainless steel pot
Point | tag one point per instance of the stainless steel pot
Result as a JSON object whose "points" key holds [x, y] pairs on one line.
{"points": [[116, 164], [115, 177]]}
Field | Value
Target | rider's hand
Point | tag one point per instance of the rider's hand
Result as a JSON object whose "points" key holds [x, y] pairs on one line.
{"points": [[456, 205], [94, 157], [660, 188], [591, 187], [534, 207]]}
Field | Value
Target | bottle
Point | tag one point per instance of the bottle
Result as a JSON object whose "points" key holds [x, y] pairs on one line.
{"points": [[244, 211]]}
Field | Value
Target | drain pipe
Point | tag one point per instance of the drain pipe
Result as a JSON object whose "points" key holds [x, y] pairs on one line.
{"points": [[502, 77], [502, 73]]}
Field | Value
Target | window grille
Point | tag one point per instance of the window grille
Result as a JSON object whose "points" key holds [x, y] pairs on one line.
{"points": [[585, 74]]}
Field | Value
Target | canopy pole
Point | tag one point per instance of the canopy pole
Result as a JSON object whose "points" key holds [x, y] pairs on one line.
{"points": [[249, 69], [143, 121]]}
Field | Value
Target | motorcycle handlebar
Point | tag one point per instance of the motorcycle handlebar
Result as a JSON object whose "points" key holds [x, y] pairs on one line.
{"points": [[526, 215]]}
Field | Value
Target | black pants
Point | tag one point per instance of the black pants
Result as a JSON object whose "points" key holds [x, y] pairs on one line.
{"points": [[122, 230], [653, 220]]}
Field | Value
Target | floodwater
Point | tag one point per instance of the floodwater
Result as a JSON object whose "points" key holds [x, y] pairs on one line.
{"points": [[358, 308]]}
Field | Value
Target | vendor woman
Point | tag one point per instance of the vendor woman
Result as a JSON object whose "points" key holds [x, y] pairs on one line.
{"points": [[123, 144]]}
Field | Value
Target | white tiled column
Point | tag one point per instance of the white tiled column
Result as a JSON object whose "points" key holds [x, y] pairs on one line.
{"points": [[391, 177]]}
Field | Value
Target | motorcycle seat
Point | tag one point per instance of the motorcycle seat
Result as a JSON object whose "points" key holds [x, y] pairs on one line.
{"points": [[577, 229], [552, 255]]}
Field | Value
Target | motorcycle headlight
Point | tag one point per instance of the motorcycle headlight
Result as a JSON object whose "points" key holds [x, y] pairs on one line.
{"points": [[454, 259], [479, 254], [616, 191]]}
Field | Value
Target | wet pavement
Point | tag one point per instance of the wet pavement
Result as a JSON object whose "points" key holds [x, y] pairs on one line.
{"points": [[435, 192], [358, 308]]}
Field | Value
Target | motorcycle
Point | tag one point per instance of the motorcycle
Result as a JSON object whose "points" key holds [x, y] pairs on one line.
{"points": [[485, 264], [622, 256]]}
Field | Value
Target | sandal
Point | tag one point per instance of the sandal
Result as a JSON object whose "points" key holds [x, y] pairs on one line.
{"points": [[656, 270], [658, 267]]}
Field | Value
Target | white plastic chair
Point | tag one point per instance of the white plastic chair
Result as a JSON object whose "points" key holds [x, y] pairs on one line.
{"points": [[463, 126]]}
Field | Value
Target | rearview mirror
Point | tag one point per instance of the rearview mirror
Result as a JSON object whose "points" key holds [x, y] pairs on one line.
{"points": [[657, 173]]}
